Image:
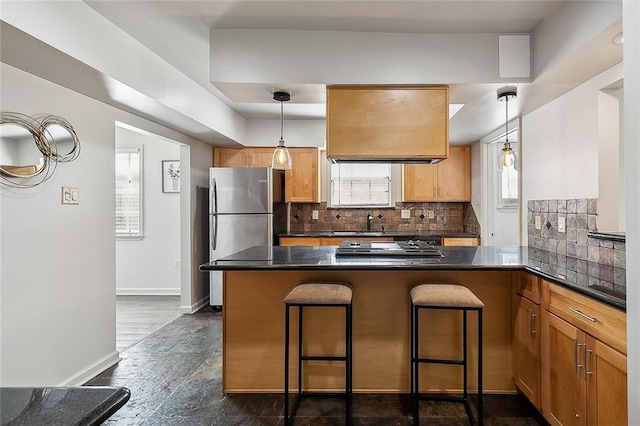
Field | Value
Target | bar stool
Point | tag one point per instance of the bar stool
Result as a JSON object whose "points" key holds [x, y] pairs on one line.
{"points": [[447, 297], [318, 295]]}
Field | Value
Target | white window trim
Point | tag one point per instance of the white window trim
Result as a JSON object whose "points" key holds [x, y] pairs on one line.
{"points": [[140, 234], [392, 183]]}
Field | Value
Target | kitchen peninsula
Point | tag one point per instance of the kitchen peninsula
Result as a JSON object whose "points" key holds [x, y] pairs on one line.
{"points": [[256, 281]]}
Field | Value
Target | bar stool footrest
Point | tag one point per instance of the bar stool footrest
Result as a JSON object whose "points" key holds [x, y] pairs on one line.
{"points": [[322, 358], [440, 361]]}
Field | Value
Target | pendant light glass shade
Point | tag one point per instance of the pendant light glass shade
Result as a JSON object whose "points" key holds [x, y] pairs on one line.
{"points": [[507, 157], [281, 159]]}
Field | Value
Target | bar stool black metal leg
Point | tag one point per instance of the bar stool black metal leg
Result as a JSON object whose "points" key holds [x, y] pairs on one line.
{"points": [[480, 408], [348, 367], [299, 351], [465, 366], [416, 370], [286, 365]]}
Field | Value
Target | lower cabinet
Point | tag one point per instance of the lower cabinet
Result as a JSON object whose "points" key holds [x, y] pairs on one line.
{"points": [[325, 241], [584, 380], [526, 349], [459, 241]]}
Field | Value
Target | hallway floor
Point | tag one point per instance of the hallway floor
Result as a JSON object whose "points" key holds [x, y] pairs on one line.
{"points": [[175, 379]]}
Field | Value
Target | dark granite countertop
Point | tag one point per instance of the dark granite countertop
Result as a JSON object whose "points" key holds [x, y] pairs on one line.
{"points": [[405, 234], [602, 282], [82, 405]]}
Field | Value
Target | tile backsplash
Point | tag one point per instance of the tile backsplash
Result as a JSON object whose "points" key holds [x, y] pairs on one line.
{"points": [[451, 217], [580, 218]]}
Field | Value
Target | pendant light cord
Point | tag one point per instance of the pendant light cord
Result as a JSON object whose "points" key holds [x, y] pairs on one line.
{"points": [[506, 119], [281, 120]]}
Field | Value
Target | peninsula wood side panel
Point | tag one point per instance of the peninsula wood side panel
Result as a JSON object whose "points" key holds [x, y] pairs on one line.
{"points": [[253, 335]]}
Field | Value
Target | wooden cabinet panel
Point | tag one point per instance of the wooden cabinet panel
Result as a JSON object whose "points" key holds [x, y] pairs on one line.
{"points": [[454, 175], [449, 180], [584, 380], [303, 179], [526, 349], [299, 241], [564, 399], [605, 323], [260, 157], [453, 241], [420, 182], [371, 122], [229, 157], [606, 384], [529, 286]]}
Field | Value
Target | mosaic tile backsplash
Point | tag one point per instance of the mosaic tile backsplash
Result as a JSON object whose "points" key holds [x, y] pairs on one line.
{"points": [[581, 217], [451, 217]]}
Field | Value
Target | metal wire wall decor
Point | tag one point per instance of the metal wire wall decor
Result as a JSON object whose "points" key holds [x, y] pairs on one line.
{"points": [[46, 144]]}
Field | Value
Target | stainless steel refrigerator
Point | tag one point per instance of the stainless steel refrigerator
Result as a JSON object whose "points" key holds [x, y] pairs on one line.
{"points": [[246, 208]]}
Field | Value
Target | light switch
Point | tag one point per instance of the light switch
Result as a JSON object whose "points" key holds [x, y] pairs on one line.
{"points": [[562, 222], [538, 222], [405, 214], [314, 214], [70, 195]]}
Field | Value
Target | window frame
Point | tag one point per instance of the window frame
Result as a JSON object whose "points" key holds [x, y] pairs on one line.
{"points": [[140, 234], [509, 203], [330, 193]]}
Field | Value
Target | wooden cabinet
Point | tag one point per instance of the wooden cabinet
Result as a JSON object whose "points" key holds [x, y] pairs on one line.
{"points": [[526, 349], [449, 180], [325, 241], [229, 157], [302, 181], [457, 241], [584, 380], [387, 122]]}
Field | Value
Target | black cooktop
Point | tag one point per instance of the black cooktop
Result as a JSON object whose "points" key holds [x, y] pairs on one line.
{"points": [[396, 248]]}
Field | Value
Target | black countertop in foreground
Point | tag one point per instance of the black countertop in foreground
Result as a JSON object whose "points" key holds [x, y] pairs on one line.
{"points": [[602, 282], [68, 406]]}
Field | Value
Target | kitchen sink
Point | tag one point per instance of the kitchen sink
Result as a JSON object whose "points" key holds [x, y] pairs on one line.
{"points": [[358, 233]]}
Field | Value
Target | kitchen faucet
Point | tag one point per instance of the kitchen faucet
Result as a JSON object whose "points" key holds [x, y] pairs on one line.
{"points": [[369, 221]]}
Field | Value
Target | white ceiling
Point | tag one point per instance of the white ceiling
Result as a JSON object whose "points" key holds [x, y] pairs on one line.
{"points": [[178, 32]]}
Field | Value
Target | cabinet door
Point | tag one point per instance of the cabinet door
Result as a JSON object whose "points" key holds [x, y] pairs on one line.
{"points": [[526, 350], [606, 379], [564, 397], [260, 157], [229, 157], [420, 182], [302, 180], [454, 175], [299, 241]]}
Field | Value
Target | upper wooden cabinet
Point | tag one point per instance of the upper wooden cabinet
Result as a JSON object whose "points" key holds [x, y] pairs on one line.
{"points": [[449, 180], [302, 181], [386, 122]]}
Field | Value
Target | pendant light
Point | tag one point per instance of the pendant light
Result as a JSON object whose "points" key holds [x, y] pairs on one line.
{"points": [[507, 157], [281, 159]]}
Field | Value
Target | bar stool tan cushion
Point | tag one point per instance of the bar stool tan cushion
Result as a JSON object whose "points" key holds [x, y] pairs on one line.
{"points": [[320, 294], [444, 295]]}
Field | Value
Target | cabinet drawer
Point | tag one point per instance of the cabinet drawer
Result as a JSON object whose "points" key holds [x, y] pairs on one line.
{"points": [[450, 241], [603, 322], [529, 287]]}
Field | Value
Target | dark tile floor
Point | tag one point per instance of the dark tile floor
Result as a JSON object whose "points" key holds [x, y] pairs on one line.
{"points": [[175, 379]]}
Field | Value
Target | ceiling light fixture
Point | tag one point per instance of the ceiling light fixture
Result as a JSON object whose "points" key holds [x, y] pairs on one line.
{"points": [[507, 156], [619, 39], [281, 159]]}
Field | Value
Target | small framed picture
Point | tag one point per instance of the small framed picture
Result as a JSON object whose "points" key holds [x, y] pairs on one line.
{"points": [[171, 176]]}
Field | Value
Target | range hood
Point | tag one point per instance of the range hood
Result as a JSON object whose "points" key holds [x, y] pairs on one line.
{"points": [[387, 124]]}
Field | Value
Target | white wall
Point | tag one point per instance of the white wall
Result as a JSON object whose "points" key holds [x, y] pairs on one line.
{"points": [[632, 180], [57, 263], [297, 133], [609, 188], [560, 145], [146, 266]]}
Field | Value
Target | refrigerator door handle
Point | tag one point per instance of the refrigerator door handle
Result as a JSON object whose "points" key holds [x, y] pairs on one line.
{"points": [[213, 202], [213, 226]]}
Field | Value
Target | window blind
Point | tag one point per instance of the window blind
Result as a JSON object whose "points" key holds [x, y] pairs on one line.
{"points": [[128, 193]]}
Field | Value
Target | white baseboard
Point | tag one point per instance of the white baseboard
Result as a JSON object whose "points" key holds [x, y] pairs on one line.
{"points": [[195, 307], [147, 292], [83, 376]]}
